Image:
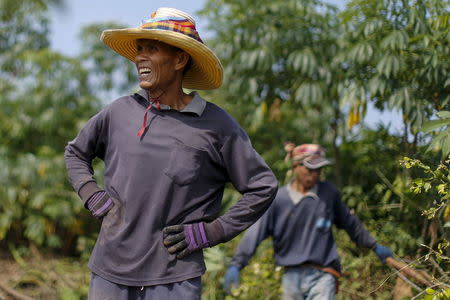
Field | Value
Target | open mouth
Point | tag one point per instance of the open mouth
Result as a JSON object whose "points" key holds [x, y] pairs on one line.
{"points": [[144, 71]]}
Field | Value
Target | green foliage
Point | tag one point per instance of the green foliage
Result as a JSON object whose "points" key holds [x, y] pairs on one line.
{"points": [[432, 294], [294, 71], [261, 272], [374, 281], [46, 98], [437, 179], [261, 279], [436, 183], [285, 66], [109, 73], [441, 141], [398, 56]]}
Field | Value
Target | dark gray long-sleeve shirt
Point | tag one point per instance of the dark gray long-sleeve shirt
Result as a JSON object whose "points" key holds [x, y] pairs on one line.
{"points": [[174, 174], [301, 231]]}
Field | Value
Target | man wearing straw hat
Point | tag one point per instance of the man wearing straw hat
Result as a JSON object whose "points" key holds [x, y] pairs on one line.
{"points": [[168, 156], [300, 221]]}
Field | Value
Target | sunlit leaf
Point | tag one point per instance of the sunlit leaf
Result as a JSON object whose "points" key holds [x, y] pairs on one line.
{"points": [[435, 124]]}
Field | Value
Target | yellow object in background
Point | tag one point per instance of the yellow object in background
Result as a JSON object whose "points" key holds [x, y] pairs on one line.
{"points": [[354, 117]]}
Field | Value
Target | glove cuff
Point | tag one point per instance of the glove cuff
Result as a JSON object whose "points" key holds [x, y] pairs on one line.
{"points": [[196, 236], [99, 204], [214, 232], [87, 190]]}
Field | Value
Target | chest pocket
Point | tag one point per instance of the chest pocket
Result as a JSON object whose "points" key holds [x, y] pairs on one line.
{"points": [[185, 164], [323, 218]]}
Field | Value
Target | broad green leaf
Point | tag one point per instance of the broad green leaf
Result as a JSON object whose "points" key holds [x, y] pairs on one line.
{"points": [[446, 145], [389, 65], [435, 124], [396, 40], [436, 143], [444, 114]]}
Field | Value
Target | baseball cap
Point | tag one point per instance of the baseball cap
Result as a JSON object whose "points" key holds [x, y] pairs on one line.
{"points": [[311, 156]]}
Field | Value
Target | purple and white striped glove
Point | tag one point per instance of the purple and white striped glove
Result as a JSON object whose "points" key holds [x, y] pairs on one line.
{"points": [[99, 204], [181, 240]]}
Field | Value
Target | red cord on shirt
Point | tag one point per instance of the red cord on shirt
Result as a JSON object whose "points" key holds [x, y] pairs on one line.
{"points": [[144, 122]]}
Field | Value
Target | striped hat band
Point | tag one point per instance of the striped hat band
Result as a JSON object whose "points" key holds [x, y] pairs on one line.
{"points": [[175, 24]]}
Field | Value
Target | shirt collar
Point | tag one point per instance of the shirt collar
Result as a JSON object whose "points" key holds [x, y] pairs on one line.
{"points": [[196, 106], [296, 196]]}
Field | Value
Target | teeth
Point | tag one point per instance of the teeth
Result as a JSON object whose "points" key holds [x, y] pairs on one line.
{"points": [[144, 70]]}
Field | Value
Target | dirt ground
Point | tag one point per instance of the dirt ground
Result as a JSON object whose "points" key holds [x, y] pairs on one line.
{"points": [[11, 284], [10, 272], [42, 277], [39, 276], [55, 278]]}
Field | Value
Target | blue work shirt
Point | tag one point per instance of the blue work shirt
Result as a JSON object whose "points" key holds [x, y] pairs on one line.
{"points": [[301, 230]]}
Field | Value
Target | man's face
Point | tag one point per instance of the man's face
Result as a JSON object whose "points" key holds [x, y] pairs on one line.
{"points": [[307, 177], [156, 63]]}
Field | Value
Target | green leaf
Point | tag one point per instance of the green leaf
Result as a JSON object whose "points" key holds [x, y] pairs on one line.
{"points": [[418, 181], [441, 188], [396, 40], [361, 53], [377, 85], [38, 201], [35, 229], [446, 145], [436, 143], [68, 294], [434, 124], [54, 241], [444, 114], [447, 82], [372, 26], [389, 65]]}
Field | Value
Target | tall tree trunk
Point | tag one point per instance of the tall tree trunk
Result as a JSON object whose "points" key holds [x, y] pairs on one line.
{"points": [[336, 151], [405, 146]]}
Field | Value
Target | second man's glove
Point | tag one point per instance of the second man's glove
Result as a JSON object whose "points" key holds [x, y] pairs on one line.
{"points": [[232, 278], [382, 252]]}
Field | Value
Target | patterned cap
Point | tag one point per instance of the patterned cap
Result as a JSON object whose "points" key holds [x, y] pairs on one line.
{"points": [[311, 156]]}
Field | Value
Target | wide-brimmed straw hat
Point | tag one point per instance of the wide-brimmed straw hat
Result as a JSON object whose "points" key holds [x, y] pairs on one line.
{"points": [[176, 28], [311, 156]]}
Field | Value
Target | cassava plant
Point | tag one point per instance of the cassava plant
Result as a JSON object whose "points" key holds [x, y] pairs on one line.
{"points": [[434, 182]]}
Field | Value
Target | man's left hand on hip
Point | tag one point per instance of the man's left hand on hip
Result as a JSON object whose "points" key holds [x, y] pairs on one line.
{"points": [[181, 240]]}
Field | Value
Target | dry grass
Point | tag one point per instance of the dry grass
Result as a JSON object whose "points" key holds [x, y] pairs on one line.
{"points": [[42, 277]]}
